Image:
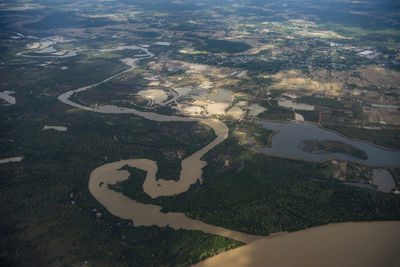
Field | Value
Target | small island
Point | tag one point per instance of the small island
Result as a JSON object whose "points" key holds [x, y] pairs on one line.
{"points": [[329, 146]]}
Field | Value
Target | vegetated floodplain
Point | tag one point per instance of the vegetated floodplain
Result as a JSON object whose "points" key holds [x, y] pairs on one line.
{"points": [[251, 134], [324, 147]]}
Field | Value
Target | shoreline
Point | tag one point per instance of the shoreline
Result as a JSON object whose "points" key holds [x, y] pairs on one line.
{"points": [[254, 149]]}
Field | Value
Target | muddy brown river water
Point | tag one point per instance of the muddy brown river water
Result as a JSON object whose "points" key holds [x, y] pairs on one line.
{"points": [[145, 214], [368, 244]]}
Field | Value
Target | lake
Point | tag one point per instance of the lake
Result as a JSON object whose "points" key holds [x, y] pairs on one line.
{"points": [[286, 144], [383, 179]]}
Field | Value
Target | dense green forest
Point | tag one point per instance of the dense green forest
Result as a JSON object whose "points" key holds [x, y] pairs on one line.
{"points": [[48, 214]]}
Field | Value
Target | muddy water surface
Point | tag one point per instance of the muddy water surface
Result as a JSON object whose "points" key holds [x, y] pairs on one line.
{"points": [[369, 244], [145, 214]]}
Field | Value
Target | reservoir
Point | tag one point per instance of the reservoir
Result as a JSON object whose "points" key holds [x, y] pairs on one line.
{"points": [[383, 179], [290, 135]]}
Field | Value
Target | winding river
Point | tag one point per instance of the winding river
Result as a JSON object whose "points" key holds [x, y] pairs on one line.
{"points": [[191, 171], [146, 215]]}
